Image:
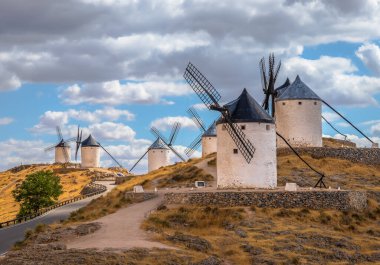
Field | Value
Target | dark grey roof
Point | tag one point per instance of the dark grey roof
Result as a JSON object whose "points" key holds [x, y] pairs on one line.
{"points": [[158, 144], [246, 109], [298, 90], [62, 144], [90, 141], [283, 87], [211, 131]]}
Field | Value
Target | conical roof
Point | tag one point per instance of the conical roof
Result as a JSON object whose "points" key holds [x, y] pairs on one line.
{"points": [[90, 141], [211, 131], [246, 109], [298, 90], [62, 144], [283, 87], [158, 144]]}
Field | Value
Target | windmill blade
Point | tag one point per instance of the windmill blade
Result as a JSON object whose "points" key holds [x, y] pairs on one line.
{"points": [[157, 134], [245, 147], [344, 118], [201, 86], [59, 133], [138, 161], [193, 146], [174, 133], [263, 76], [196, 118], [72, 139], [335, 129], [110, 155], [176, 153], [50, 148], [276, 72], [78, 143]]}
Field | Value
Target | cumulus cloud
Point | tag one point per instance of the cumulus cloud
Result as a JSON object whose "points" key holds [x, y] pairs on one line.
{"points": [[63, 42], [334, 80], [115, 93], [331, 116], [12, 152], [166, 123], [369, 53], [50, 119], [5, 121]]}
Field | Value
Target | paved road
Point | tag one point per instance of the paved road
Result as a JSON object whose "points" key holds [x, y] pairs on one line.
{"points": [[12, 234]]}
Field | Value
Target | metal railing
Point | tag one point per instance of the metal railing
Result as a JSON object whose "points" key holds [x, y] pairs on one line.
{"points": [[99, 189]]}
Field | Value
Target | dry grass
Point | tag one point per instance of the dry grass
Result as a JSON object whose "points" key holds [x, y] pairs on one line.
{"points": [[331, 142], [340, 173], [73, 180], [281, 236]]}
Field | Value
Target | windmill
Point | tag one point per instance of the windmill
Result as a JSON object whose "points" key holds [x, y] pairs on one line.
{"points": [[240, 164], [78, 142], [207, 136], [90, 151], [268, 81], [158, 152], [62, 148]]}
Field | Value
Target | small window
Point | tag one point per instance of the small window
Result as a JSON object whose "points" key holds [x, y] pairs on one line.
{"points": [[243, 127], [283, 103], [315, 103], [268, 127], [235, 151], [162, 151], [299, 103], [209, 138]]}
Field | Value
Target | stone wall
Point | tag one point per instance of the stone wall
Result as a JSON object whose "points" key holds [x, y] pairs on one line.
{"points": [[139, 197], [315, 199], [369, 156]]}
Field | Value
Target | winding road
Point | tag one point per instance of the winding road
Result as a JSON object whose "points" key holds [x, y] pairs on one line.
{"points": [[12, 234]]}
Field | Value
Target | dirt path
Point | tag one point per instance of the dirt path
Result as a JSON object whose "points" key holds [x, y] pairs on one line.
{"points": [[121, 229]]}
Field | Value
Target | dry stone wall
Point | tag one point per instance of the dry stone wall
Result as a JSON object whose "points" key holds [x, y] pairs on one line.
{"points": [[369, 156], [340, 200]]}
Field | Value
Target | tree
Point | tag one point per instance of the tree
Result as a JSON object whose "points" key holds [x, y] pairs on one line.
{"points": [[38, 190]]}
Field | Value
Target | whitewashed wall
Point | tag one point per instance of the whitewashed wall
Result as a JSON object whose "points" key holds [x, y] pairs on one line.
{"points": [[158, 158], [60, 156], [90, 156], [209, 145], [301, 125], [232, 169]]}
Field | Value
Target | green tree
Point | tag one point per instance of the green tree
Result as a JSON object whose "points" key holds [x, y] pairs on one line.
{"points": [[38, 190]]}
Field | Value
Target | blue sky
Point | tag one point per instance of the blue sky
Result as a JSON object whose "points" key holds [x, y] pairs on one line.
{"points": [[117, 73]]}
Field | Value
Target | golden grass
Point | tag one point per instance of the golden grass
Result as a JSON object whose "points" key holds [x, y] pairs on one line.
{"points": [[72, 180], [340, 173], [331, 142], [282, 236]]}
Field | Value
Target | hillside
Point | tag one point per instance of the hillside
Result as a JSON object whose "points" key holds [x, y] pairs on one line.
{"points": [[73, 180], [229, 235]]}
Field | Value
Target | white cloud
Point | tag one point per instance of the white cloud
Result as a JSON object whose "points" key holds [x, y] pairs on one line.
{"points": [[334, 80], [5, 121], [13, 152], [331, 116], [50, 119], [369, 53], [166, 123], [8, 80], [115, 93], [360, 141], [112, 131]]}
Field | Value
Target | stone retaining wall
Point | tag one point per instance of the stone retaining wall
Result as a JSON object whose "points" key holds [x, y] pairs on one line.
{"points": [[369, 156], [340, 200], [139, 197]]}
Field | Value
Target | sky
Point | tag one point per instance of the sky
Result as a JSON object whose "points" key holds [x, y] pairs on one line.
{"points": [[115, 67]]}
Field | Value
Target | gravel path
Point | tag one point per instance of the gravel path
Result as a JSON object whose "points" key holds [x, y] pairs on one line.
{"points": [[121, 229]]}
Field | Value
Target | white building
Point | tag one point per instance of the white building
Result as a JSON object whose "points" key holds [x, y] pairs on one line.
{"points": [[233, 171], [298, 116], [158, 155], [62, 152], [209, 141], [90, 153]]}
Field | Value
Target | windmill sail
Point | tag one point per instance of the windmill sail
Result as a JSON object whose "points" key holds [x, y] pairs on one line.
{"points": [[210, 97]]}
